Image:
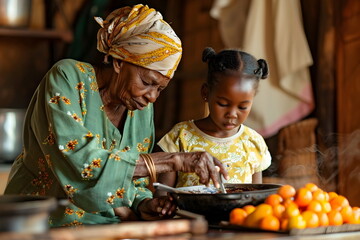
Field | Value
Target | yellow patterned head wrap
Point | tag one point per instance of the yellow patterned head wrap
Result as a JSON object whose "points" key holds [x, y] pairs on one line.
{"points": [[140, 36]]}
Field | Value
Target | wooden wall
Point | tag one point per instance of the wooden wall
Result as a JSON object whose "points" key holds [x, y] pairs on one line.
{"points": [[348, 97]]}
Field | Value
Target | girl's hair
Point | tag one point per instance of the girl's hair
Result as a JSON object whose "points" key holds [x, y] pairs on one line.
{"points": [[233, 62]]}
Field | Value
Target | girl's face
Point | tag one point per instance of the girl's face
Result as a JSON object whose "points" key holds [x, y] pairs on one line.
{"points": [[136, 86], [230, 102]]}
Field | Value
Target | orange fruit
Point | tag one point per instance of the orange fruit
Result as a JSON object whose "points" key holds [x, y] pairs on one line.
{"points": [[319, 195], [278, 210], [355, 218], [261, 211], [338, 202], [286, 191], [249, 208], [312, 187], [297, 222], [303, 197], [347, 214], [311, 219], [237, 216], [284, 224], [274, 199], [270, 222], [332, 195], [335, 218], [326, 207], [323, 219], [288, 202], [327, 197], [291, 211], [314, 206]]}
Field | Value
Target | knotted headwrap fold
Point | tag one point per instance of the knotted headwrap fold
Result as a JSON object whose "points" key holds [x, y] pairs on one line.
{"points": [[140, 36]]}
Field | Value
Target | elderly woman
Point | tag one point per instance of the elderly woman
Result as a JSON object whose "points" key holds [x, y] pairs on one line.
{"points": [[89, 129]]}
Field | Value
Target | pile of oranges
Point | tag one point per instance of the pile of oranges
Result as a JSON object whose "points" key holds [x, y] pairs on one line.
{"points": [[307, 207]]}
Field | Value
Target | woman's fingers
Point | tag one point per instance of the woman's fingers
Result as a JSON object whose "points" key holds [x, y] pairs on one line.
{"points": [[222, 169]]}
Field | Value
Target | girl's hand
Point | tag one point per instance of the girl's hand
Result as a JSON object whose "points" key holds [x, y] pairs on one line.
{"points": [[157, 208], [203, 164]]}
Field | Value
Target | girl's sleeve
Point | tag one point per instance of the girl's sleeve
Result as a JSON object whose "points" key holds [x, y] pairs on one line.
{"points": [[94, 177], [170, 141], [265, 160]]}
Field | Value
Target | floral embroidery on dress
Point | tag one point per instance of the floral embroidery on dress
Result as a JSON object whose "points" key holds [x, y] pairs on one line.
{"points": [[94, 86], [80, 66], [89, 135], [86, 173], [80, 213], [69, 211], [43, 181], [56, 99], [80, 86], [113, 145], [118, 194], [70, 190], [74, 116], [115, 156], [125, 149], [72, 224], [66, 100], [48, 161], [144, 146], [131, 113], [50, 139], [70, 145]]}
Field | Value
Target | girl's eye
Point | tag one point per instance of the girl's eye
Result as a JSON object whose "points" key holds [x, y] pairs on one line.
{"points": [[222, 104], [242, 108]]}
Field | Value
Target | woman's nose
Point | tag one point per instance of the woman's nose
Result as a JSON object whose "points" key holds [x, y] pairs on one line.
{"points": [[152, 95]]}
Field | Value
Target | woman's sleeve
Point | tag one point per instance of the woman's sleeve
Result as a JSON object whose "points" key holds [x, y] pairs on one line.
{"points": [[94, 174]]}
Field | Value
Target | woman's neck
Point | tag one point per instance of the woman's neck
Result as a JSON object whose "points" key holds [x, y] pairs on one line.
{"points": [[115, 112]]}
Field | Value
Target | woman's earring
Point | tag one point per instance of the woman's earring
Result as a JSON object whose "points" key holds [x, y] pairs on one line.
{"points": [[205, 99]]}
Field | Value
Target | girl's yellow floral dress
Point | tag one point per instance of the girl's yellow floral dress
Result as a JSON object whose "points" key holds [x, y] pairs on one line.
{"points": [[72, 150], [243, 154]]}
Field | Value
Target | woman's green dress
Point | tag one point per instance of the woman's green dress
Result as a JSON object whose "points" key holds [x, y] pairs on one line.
{"points": [[73, 151]]}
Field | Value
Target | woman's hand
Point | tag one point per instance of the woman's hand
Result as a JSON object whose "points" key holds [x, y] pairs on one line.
{"points": [[125, 214], [157, 208], [203, 164]]}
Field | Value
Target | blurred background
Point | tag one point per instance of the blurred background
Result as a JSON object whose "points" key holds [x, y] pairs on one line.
{"points": [[308, 111]]}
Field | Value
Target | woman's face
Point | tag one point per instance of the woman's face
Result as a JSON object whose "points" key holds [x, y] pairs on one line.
{"points": [[230, 102], [136, 87]]}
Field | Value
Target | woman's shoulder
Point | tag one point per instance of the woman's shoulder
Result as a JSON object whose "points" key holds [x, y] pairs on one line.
{"points": [[69, 65]]}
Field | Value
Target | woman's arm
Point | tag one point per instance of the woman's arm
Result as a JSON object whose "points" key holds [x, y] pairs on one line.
{"points": [[201, 163]]}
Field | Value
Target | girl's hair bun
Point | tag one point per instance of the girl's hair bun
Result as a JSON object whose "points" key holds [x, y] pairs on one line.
{"points": [[208, 53], [263, 69]]}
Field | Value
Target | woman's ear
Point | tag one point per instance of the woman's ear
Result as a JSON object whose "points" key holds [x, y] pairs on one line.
{"points": [[205, 92], [117, 65]]}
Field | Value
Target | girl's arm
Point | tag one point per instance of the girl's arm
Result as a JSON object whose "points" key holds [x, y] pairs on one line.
{"points": [[257, 178], [168, 178]]}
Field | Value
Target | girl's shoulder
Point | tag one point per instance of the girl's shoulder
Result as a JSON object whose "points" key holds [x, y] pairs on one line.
{"points": [[251, 134], [184, 125]]}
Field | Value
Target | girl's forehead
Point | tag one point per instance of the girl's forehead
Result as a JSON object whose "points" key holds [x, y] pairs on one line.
{"points": [[236, 83]]}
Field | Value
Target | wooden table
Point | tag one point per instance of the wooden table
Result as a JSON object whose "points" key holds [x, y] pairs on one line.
{"points": [[211, 234]]}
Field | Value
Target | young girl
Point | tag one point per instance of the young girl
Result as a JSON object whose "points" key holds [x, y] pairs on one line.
{"points": [[232, 82]]}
